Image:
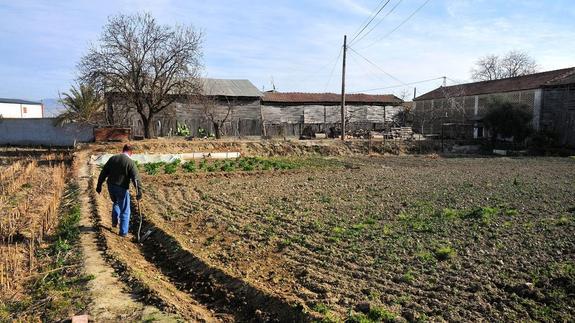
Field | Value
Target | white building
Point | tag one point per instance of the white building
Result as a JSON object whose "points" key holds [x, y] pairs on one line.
{"points": [[14, 108]]}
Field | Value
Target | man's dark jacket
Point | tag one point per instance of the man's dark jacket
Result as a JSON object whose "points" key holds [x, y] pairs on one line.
{"points": [[120, 170]]}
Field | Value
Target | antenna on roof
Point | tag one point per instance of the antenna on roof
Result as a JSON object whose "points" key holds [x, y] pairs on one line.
{"points": [[444, 80], [273, 83]]}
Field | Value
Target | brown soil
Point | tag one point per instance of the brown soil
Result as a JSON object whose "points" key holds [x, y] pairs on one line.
{"points": [[454, 239], [270, 148]]}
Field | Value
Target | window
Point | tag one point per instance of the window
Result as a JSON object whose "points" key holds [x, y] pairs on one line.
{"points": [[24, 110]]}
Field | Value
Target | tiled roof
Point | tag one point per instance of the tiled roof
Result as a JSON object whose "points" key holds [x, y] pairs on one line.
{"points": [[519, 83], [331, 98]]}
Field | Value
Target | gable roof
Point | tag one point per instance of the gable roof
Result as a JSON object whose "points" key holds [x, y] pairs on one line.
{"points": [[328, 98], [18, 101], [235, 88], [511, 84]]}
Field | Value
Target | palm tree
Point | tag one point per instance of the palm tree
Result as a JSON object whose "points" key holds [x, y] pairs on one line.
{"points": [[83, 105]]}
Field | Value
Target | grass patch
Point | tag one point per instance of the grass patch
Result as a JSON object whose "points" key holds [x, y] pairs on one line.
{"points": [[448, 213], [483, 214], [375, 314], [444, 253], [321, 308], [408, 277]]}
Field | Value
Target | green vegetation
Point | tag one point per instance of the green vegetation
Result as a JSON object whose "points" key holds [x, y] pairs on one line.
{"points": [[172, 167], [483, 214], [408, 277], [182, 130], [444, 253], [153, 168], [508, 119], [189, 167], [321, 308], [375, 314], [246, 164]]}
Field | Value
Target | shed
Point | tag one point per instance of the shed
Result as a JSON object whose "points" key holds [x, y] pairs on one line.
{"points": [[16, 108]]}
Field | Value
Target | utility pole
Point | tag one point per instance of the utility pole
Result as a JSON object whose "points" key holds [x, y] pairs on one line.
{"points": [[343, 89]]}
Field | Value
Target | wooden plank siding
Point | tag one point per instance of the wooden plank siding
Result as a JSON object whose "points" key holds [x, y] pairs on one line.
{"points": [[249, 117], [558, 113]]}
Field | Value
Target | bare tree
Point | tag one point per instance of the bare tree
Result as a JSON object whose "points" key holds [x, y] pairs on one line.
{"points": [[517, 63], [217, 113], [487, 68], [493, 67], [146, 64]]}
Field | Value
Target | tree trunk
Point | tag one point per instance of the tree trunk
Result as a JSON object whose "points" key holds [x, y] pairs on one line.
{"points": [[147, 122], [217, 130]]}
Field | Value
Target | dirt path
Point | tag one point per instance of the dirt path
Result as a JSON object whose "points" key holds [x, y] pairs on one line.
{"points": [[110, 299]]}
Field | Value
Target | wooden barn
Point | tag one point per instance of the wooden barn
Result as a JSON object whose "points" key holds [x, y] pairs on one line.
{"points": [[287, 113], [233, 103], [549, 96]]}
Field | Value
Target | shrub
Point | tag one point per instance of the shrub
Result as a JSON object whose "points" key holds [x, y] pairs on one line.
{"points": [[153, 168], [182, 129], [203, 164], [508, 119], [172, 167], [228, 166], [189, 167]]}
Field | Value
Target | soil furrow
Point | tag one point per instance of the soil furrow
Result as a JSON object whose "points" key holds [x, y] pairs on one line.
{"points": [[215, 287]]}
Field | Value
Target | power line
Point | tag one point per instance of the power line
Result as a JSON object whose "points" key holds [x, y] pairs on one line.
{"points": [[377, 66], [399, 26], [333, 69], [378, 23], [368, 71], [373, 16], [399, 85]]}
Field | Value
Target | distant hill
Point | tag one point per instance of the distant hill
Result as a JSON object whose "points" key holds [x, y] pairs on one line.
{"points": [[52, 107]]}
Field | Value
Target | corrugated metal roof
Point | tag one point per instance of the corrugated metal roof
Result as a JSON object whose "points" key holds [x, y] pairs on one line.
{"points": [[18, 101], [331, 98], [237, 88], [518, 83]]}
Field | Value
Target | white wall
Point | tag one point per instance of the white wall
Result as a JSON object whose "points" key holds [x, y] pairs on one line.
{"points": [[16, 110]]}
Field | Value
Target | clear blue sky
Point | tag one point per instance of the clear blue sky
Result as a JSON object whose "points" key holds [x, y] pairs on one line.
{"points": [[295, 42]]}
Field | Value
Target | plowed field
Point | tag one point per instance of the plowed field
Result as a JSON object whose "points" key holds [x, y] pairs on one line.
{"points": [[382, 238]]}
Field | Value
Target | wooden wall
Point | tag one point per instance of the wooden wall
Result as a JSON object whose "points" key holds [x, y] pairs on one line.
{"points": [[250, 118], [558, 113]]}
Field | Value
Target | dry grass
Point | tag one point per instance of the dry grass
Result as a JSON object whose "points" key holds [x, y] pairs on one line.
{"points": [[29, 201]]}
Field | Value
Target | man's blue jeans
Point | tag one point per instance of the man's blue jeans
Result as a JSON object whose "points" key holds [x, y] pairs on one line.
{"points": [[121, 208]]}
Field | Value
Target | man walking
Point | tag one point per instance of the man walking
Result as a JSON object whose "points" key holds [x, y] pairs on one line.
{"points": [[119, 171]]}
